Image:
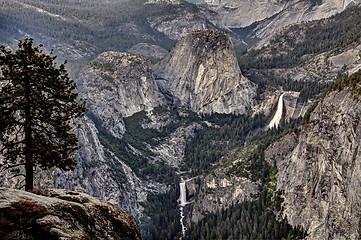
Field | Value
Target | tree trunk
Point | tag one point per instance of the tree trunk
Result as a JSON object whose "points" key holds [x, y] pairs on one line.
{"points": [[29, 175], [29, 165]]}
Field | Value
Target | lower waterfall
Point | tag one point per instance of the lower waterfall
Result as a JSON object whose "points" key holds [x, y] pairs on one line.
{"points": [[182, 203]]}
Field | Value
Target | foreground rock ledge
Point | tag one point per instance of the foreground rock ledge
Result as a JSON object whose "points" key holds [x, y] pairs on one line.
{"points": [[62, 214]]}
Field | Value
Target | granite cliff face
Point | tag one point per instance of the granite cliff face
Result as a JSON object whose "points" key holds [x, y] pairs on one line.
{"points": [[302, 11], [271, 15], [201, 73], [61, 214], [117, 85], [319, 169], [243, 13], [102, 174]]}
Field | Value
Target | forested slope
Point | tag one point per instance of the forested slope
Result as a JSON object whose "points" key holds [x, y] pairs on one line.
{"points": [[296, 43]]}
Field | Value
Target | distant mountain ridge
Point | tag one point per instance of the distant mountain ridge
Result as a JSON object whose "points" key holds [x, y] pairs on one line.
{"points": [[271, 15], [79, 30]]}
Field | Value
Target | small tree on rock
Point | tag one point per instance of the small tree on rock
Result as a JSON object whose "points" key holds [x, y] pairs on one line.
{"points": [[37, 109]]}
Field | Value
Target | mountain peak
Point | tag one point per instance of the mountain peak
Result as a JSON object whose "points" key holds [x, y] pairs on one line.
{"points": [[201, 73]]}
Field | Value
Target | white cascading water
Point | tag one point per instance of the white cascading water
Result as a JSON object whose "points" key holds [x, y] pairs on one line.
{"points": [[277, 117], [182, 203]]}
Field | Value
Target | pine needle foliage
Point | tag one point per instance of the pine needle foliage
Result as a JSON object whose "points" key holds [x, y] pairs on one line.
{"points": [[38, 107]]}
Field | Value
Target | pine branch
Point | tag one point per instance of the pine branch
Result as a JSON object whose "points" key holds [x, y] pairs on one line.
{"points": [[23, 184], [17, 175], [2, 169]]}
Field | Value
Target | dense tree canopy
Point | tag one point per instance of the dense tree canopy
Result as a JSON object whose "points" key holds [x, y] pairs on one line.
{"points": [[37, 109]]}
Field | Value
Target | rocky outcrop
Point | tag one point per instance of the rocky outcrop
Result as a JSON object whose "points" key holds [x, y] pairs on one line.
{"points": [[201, 73], [62, 214], [172, 150], [319, 173], [117, 85], [294, 106], [278, 150], [216, 191]]}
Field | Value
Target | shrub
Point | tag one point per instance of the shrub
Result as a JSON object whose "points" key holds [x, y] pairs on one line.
{"points": [[19, 221]]}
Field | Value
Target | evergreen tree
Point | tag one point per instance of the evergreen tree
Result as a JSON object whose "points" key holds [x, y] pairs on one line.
{"points": [[37, 109]]}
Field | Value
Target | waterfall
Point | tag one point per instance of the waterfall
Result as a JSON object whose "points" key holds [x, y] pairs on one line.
{"points": [[183, 194], [182, 203], [277, 117]]}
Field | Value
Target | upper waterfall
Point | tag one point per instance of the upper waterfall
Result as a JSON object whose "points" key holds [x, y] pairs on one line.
{"points": [[277, 117]]}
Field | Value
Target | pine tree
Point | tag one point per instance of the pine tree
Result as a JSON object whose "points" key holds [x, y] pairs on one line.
{"points": [[37, 111]]}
